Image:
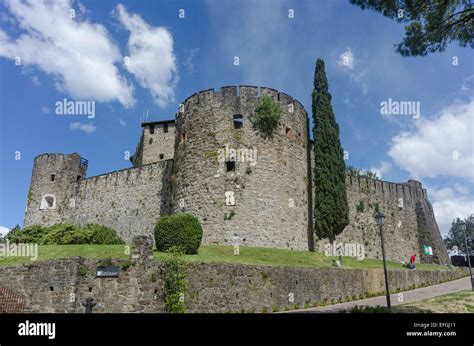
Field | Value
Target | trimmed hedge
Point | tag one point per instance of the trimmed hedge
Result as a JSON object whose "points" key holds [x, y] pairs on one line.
{"points": [[64, 234], [181, 231]]}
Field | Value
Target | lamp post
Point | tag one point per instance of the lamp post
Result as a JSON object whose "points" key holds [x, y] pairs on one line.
{"points": [[463, 227], [380, 217]]}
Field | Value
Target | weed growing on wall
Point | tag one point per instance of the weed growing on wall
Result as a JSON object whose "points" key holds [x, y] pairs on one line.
{"points": [[267, 115], [175, 282]]}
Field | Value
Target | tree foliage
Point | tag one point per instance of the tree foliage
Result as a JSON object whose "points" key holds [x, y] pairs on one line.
{"points": [[431, 25], [357, 172], [455, 235], [331, 211]]}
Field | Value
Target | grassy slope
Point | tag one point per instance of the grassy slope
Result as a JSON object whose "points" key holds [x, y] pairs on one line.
{"points": [[459, 302], [215, 253]]}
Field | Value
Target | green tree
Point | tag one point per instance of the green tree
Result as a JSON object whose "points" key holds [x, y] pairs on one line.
{"points": [[354, 171], [455, 235], [370, 175], [331, 211], [431, 25]]}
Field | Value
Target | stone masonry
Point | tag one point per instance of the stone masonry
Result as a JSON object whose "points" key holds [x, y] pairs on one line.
{"points": [[245, 189]]}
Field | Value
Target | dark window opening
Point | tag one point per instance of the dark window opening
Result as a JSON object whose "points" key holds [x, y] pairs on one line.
{"points": [[78, 177], [238, 121], [162, 156], [165, 128], [152, 129], [51, 288], [53, 176], [230, 166], [183, 137]]}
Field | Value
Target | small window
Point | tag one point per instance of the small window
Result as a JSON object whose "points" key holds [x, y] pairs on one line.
{"points": [[152, 129], [78, 177], [165, 127], [162, 156], [53, 177], [183, 137], [289, 132], [230, 166], [238, 121]]}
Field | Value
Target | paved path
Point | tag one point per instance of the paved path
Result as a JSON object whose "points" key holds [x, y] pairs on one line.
{"points": [[408, 297]]}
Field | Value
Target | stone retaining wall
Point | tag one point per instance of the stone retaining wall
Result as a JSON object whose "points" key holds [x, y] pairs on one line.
{"points": [[63, 285]]}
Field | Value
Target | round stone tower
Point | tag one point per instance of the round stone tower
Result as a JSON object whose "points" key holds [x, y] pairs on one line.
{"points": [[244, 188], [48, 196]]}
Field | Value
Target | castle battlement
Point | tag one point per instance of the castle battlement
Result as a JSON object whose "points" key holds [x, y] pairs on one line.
{"points": [[264, 201], [410, 190]]}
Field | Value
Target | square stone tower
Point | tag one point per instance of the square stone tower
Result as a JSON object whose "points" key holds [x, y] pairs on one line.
{"points": [[156, 143]]}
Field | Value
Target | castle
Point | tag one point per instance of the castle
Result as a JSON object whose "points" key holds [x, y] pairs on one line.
{"points": [[245, 189]]}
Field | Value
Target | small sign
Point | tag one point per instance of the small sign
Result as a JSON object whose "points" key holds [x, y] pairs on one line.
{"points": [[107, 272], [428, 250]]}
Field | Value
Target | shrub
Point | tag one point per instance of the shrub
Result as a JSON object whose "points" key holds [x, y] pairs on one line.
{"points": [[30, 234], [182, 231], [62, 234], [267, 115]]}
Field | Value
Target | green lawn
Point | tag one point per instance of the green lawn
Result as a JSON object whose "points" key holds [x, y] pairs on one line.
{"points": [[215, 253], [459, 302]]}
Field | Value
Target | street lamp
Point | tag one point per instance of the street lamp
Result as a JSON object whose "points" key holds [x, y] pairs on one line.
{"points": [[380, 217], [463, 227]]}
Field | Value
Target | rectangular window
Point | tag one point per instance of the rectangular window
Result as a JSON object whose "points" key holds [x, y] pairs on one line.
{"points": [[230, 166], [165, 127], [183, 137], [152, 129], [162, 156], [238, 121], [53, 177]]}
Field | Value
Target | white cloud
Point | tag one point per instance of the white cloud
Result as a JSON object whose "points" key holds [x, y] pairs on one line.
{"points": [[430, 149], [151, 59], [3, 231], [80, 55], [449, 204], [347, 63], [346, 59], [87, 128], [123, 123], [384, 168]]}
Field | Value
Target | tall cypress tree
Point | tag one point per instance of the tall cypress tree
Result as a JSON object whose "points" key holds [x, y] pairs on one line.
{"points": [[331, 211]]}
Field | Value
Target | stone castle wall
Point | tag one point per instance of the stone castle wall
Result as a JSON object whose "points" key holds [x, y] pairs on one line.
{"points": [[264, 200], [268, 203], [129, 201], [61, 286], [399, 203]]}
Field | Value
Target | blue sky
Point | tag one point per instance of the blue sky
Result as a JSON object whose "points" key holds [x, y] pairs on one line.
{"points": [[170, 58]]}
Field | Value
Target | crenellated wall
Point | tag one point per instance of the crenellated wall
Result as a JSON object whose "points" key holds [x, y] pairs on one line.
{"points": [[129, 201], [402, 226], [263, 199]]}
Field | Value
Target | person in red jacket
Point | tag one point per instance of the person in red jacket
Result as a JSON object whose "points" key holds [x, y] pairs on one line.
{"points": [[412, 261]]}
